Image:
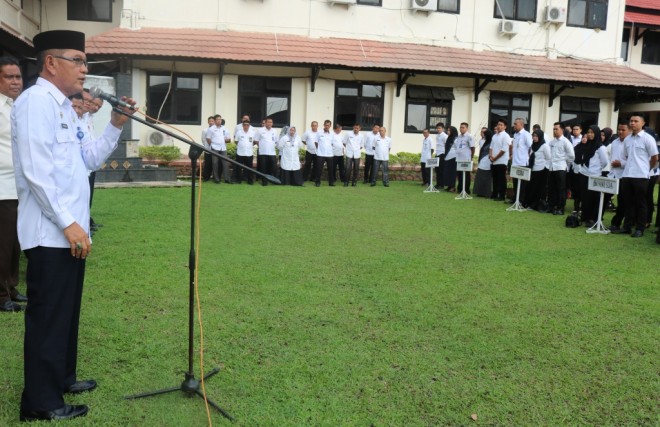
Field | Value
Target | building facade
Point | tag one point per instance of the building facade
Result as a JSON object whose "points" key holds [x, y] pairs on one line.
{"points": [[407, 64]]}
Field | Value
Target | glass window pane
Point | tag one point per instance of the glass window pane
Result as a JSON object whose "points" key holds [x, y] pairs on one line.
{"points": [[370, 113], [418, 92], [499, 99], [372, 91], [346, 111], [569, 103], [275, 105], [651, 48], [416, 118], [251, 105], [369, 2], [158, 80], [278, 85], [597, 15], [520, 114], [448, 6], [187, 83], [440, 93], [590, 105], [507, 8], [250, 84], [347, 91], [187, 106], [520, 101], [526, 10], [577, 11]]}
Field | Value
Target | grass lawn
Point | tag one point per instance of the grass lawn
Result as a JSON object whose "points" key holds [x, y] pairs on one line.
{"points": [[361, 306]]}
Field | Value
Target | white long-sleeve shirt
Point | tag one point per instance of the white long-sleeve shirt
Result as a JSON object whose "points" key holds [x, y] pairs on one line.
{"points": [[310, 138], [427, 147], [244, 143], [51, 165], [382, 147], [7, 181], [616, 153], [288, 147], [354, 143], [561, 153]]}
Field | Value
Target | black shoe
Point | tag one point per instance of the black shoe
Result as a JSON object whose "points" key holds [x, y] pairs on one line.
{"points": [[318, 184], [365, 182], [228, 182], [10, 306], [18, 297], [354, 185], [217, 181], [346, 184], [332, 184], [637, 233], [81, 386], [387, 184], [614, 229], [625, 230], [373, 184], [66, 412]]}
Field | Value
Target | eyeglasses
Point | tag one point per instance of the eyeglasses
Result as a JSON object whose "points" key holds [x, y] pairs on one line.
{"points": [[78, 62]]}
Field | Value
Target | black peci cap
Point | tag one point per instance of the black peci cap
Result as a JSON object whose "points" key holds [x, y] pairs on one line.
{"points": [[59, 39]]}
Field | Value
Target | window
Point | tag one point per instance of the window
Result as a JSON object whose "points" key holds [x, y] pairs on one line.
{"points": [[581, 111], [358, 103], [517, 10], [509, 106], [427, 106], [89, 10], [262, 97], [587, 13], [370, 2], [651, 48], [449, 6], [625, 43], [178, 98]]}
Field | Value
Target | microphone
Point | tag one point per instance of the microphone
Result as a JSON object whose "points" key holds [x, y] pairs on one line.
{"points": [[96, 92]]}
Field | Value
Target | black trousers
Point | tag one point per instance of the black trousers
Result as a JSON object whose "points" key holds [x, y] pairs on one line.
{"points": [[241, 174], [207, 167], [320, 161], [54, 289], [293, 177], [352, 169], [268, 163], [10, 250], [426, 174], [368, 167], [439, 171], [499, 181], [649, 198], [590, 200], [634, 192], [310, 166], [537, 190], [338, 164], [620, 213], [557, 190]]}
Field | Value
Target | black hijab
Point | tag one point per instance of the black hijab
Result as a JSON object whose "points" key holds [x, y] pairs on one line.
{"points": [[588, 149], [453, 133], [608, 136], [485, 147]]}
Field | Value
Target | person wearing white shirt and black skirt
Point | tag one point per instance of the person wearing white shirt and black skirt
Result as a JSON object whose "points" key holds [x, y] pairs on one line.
{"points": [[288, 146]]}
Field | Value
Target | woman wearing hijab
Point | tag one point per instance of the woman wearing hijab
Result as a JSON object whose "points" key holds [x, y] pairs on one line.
{"points": [[538, 161], [449, 168], [594, 159], [483, 182], [606, 139], [288, 146]]}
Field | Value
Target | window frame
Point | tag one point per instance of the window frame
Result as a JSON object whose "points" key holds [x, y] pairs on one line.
{"points": [[644, 59], [360, 98], [367, 3], [510, 107], [580, 113], [428, 102], [457, 11], [264, 93], [75, 5], [173, 95], [586, 24], [515, 17], [625, 44]]}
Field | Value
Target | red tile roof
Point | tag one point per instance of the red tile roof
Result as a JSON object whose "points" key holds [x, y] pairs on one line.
{"points": [[280, 49], [642, 18], [644, 4]]}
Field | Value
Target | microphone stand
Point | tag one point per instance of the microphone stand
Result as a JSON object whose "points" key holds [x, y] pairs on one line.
{"points": [[190, 385]]}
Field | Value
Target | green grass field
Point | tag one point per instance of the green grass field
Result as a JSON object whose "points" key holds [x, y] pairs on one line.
{"points": [[361, 307]]}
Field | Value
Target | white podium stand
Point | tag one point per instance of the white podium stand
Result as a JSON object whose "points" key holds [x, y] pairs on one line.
{"points": [[432, 163], [464, 167], [602, 185], [521, 174]]}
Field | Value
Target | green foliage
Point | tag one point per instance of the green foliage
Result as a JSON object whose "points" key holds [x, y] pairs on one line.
{"points": [[166, 153], [231, 150], [408, 160]]}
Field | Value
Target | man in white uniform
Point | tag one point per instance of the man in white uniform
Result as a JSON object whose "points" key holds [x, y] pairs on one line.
{"points": [[354, 143], [218, 137], [382, 147], [267, 138], [51, 163], [310, 138]]}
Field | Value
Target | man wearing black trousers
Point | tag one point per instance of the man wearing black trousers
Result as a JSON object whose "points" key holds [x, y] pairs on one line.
{"points": [[51, 160], [369, 143]]}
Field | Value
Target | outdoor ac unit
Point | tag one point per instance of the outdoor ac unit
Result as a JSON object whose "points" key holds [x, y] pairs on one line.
{"points": [[156, 138], [509, 27], [424, 5], [342, 2], [555, 14]]}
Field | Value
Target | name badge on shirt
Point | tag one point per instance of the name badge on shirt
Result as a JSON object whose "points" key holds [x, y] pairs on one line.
{"points": [[64, 126]]}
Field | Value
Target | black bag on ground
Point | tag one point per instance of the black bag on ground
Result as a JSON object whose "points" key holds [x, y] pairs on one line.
{"points": [[573, 220]]}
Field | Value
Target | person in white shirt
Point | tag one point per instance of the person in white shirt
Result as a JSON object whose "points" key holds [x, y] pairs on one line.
{"points": [[266, 138], [427, 153], [354, 143], [464, 145], [50, 165], [11, 85], [483, 181], [218, 137], [207, 167], [338, 153], [572, 178], [449, 166], [617, 165], [594, 159], [539, 160], [382, 147], [289, 146], [561, 155], [499, 157], [310, 138], [244, 153], [324, 155], [239, 125], [91, 106], [641, 154], [522, 143], [440, 141], [369, 142]]}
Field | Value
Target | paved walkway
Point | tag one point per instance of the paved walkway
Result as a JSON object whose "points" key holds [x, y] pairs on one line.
{"points": [[142, 184]]}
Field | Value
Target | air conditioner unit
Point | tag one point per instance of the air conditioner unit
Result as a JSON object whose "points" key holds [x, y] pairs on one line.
{"points": [[509, 27], [424, 5], [156, 138], [555, 14], [349, 2]]}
